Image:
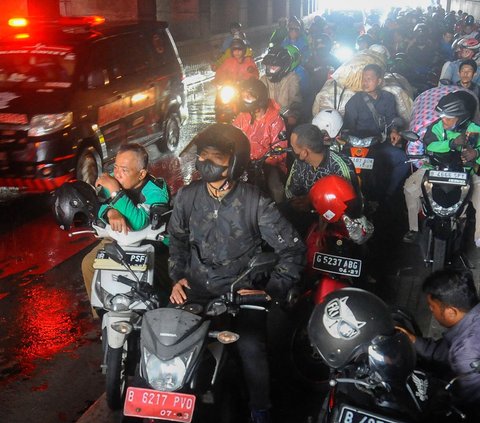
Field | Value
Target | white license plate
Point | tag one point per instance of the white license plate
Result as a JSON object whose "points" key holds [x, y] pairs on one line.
{"points": [[362, 162], [337, 264], [453, 178], [148, 403], [355, 415], [137, 261]]}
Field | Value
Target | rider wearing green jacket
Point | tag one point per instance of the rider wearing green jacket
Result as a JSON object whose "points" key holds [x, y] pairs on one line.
{"points": [[454, 131]]}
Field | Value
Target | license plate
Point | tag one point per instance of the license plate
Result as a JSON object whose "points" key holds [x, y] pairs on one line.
{"points": [[337, 264], [452, 178], [148, 403], [362, 162], [137, 261], [355, 415]]}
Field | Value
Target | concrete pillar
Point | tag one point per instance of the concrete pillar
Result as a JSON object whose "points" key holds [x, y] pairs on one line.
{"points": [[242, 11], [269, 13]]}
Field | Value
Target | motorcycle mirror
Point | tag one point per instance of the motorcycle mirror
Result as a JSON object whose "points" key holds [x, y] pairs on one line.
{"points": [[282, 136], [115, 252], [445, 81], [409, 136], [397, 122], [475, 365]]}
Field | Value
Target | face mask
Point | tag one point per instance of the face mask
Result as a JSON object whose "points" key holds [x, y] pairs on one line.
{"points": [[209, 171], [249, 106]]}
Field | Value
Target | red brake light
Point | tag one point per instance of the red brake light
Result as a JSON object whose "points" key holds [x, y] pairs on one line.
{"points": [[18, 22]]}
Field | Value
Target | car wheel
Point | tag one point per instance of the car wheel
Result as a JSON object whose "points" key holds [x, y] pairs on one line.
{"points": [[116, 376], [89, 165], [171, 132]]}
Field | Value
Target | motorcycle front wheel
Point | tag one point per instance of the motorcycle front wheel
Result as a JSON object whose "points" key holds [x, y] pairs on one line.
{"points": [[116, 376], [439, 254]]}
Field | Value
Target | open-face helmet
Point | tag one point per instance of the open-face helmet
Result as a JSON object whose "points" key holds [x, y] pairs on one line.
{"points": [[460, 104], [75, 202], [333, 196], [227, 139], [330, 121], [258, 91]]}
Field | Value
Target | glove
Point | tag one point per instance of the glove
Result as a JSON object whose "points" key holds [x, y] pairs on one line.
{"points": [[469, 154], [460, 140]]}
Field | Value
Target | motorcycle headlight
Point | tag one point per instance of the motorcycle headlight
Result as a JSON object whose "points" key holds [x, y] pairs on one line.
{"points": [[120, 302], [46, 124], [343, 53], [227, 94], [166, 375]]}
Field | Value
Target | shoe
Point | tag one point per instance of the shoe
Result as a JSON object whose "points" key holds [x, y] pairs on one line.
{"points": [[410, 237], [260, 416]]}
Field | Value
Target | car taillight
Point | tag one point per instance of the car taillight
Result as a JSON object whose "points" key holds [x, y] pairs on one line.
{"points": [[18, 22], [82, 20]]}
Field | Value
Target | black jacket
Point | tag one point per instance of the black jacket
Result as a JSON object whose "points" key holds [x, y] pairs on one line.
{"points": [[211, 241]]}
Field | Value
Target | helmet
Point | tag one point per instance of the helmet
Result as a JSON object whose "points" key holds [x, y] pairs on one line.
{"points": [[329, 120], [420, 28], [277, 63], [294, 22], [295, 56], [381, 50], [469, 43], [365, 38], [460, 104], [333, 196], [258, 90], [228, 139], [470, 20], [346, 323], [238, 43], [75, 201], [324, 40]]}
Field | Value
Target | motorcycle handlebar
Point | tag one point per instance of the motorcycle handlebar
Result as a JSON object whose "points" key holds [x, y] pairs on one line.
{"points": [[254, 299]]}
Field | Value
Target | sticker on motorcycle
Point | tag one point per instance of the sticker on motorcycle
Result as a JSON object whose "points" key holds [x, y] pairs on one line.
{"points": [[339, 320]]}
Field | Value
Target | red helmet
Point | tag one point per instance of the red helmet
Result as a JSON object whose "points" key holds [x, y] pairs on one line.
{"points": [[330, 196]]}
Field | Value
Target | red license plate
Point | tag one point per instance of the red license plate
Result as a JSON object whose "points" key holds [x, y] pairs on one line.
{"points": [[152, 404]]}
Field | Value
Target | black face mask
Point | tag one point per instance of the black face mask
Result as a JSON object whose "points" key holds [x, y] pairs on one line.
{"points": [[209, 171]]}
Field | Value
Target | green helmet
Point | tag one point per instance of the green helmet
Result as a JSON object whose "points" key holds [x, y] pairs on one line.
{"points": [[295, 56]]}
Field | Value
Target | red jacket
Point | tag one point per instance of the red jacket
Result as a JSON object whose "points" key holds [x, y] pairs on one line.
{"points": [[231, 70], [263, 133]]}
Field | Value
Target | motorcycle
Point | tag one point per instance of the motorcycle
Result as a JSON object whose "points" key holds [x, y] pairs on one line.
{"points": [[334, 262], [183, 356], [374, 375], [122, 291], [447, 189]]}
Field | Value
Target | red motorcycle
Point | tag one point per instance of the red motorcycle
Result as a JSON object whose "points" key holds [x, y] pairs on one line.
{"points": [[333, 262]]}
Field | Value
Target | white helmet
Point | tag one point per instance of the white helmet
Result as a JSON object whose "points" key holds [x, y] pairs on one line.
{"points": [[380, 49], [329, 120]]}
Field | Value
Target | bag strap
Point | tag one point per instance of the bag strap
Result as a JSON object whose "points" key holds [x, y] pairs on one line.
{"points": [[371, 107]]}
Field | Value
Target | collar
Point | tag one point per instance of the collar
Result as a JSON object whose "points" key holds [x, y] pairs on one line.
{"points": [[451, 333]]}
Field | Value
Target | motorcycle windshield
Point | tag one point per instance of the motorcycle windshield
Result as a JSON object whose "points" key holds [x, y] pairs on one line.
{"points": [[392, 357]]}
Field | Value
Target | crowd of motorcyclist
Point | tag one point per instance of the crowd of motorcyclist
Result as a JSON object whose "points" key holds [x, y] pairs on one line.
{"points": [[212, 236]]}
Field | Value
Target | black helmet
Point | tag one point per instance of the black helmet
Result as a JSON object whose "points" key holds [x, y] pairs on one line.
{"points": [[258, 90], [344, 325], [75, 201], [459, 104], [277, 62], [469, 20], [239, 44], [325, 41], [227, 139]]}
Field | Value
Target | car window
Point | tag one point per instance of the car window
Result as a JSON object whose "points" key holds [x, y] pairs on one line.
{"points": [[129, 55], [162, 51]]}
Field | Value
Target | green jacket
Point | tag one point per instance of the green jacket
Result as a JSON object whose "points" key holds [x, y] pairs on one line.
{"points": [[439, 140], [135, 204]]}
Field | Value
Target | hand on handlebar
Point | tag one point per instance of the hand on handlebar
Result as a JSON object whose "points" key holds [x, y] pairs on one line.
{"points": [[178, 295], [117, 221], [469, 154], [301, 203], [411, 336]]}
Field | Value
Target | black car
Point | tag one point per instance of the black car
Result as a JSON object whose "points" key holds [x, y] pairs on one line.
{"points": [[75, 89]]}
